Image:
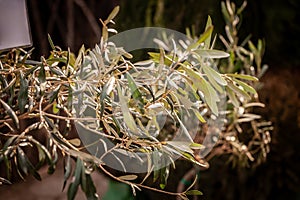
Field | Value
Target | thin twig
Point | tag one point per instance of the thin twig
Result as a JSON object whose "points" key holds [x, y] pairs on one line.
{"points": [[139, 185]]}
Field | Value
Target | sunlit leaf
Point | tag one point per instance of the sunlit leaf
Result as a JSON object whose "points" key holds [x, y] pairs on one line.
{"points": [[196, 146], [214, 83], [191, 158], [207, 34], [211, 53], [129, 177], [181, 145], [156, 58], [184, 100], [199, 116], [243, 76], [162, 186], [107, 88], [193, 192], [211, 73], [207, 27], [210, 95], [134, 89], [232, 97], [252, 104], [55, 109], [112, 15], [128, 119], [164, 175], [246, 87], [239, 91]]}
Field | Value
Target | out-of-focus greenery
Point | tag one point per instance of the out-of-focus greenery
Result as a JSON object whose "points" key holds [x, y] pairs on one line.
{"points": [[276, 21]]}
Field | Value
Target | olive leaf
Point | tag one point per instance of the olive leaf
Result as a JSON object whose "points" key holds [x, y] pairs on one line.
{"points": [[128, 119], [11, 113]]}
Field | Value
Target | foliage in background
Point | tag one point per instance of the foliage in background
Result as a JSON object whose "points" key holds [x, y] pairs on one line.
{"points": [[246, 132], [45, 91]]}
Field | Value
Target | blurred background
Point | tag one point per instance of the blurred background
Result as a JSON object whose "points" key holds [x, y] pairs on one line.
{"points": [[72, 23]]}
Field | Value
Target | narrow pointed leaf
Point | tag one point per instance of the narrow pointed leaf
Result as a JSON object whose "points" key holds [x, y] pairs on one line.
{"points": [[90, 192], [207, 33], [128, 119], [107, 88], [225, 12], [232, 97], [4, 181], [73, 187], [207, 41], [22, 164], [239, 91], [112, 15], [196, 146], [129, 177], [11, 113], [246, 87], [134, 89], [211, 73], [194, 192], [210, 96], [243, 76], [199, 116], [181, 145], [51, 42], [211, 53], [67, 170], [42, 74], [201, 84]]}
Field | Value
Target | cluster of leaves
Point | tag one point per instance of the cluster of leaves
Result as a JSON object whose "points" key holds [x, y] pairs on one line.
{"points": [[19, 95], [247, 135], [128, 102]]}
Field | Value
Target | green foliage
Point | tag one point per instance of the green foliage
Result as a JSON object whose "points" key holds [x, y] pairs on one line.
{"points": [[243, 66], [47, 89]]}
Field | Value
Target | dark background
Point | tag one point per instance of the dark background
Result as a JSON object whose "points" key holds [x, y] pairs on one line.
{"points": [[72, 23]]}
